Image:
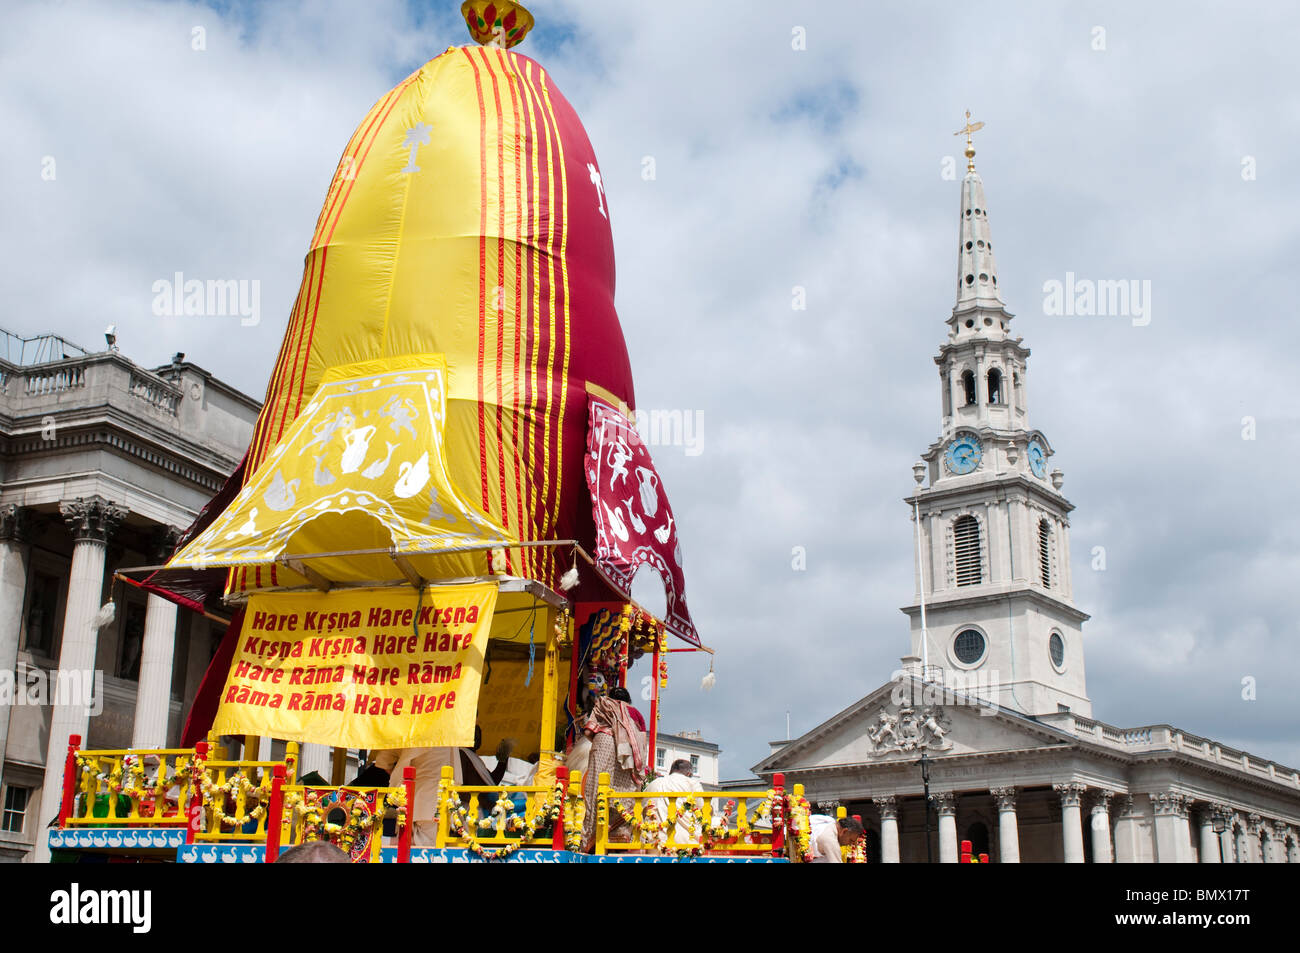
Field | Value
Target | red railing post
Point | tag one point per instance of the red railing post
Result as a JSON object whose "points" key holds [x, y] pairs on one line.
{"points": [[562, 782], [778, 815], [275, 814], [654, 706], [965, 852], [69, 780], [404, 828], [194, 811]]}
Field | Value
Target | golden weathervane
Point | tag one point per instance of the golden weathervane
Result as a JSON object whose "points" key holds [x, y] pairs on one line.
{"points": [[967, 130]]}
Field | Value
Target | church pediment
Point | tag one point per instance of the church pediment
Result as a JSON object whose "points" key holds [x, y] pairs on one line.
{"points": [[899, 721]]}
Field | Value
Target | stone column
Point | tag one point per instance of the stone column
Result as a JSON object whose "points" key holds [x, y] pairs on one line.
{"points": [[15, 550], [1227, 848], [92, 520], [1241, 840], [1099, 811], [945, 803], [888, 828], [1071, 820], [1008, 834], [1126, 846], [1211, 849], [154, 689], [1173, 837], [1278, 843], [1253, 848]]}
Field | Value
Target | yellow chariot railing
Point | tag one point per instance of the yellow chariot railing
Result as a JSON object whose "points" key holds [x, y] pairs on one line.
{"points": [[494, 822], [688, 823], [236, 797], [350, 818]]}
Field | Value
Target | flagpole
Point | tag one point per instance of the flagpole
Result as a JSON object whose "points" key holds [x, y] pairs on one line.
{"points": [[918, 474]]}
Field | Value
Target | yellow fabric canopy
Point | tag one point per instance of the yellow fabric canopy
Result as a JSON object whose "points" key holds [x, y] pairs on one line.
{"points": [[362, 468]]}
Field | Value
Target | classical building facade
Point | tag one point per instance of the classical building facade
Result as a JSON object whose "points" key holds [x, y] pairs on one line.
{"points": [[986, 733], [102, 463], [690, 745]]}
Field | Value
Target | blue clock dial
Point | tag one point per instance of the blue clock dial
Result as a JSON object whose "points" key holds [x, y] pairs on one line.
{"points": [[1037, 459], [963, 454]]}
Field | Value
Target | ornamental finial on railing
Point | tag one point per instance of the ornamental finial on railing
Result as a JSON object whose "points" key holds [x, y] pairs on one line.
{"points": [[499, 23]]}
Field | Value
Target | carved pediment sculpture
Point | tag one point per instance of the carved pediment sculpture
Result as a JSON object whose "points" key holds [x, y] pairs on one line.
{"points": [[904, 728]]}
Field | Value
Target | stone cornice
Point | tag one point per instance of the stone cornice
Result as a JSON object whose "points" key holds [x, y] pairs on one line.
{"points": [[954, 488], [998, 592], [107, 435]]}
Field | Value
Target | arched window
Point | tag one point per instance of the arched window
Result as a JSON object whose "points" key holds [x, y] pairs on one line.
{"points": [[966, 551], [978, 835], [1045, 552], [995, 386], [968, 385]]}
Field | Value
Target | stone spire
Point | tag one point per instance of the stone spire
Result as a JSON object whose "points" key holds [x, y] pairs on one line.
{"points": [[979, 308]]}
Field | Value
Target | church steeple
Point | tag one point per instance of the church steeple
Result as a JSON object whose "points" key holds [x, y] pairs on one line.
{"points": [[993, 533], [979, 309]]}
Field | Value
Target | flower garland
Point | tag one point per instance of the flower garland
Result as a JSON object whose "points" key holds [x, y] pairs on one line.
{"points": [[215, 796], [762, 811], [614, 638], [126, 777], [575, 813], [362, 819], [800, 814], [458, 821]]}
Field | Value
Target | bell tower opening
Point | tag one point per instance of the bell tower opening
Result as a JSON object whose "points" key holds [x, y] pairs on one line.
{"points": [[968, 387]]}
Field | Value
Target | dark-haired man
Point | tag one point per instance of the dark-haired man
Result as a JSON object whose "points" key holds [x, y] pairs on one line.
{"points": [[828, 835]]}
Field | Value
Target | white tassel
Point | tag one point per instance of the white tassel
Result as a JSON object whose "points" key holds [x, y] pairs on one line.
{"points": [[569, 579], [105, 615], [709, 680], [498, 560]]}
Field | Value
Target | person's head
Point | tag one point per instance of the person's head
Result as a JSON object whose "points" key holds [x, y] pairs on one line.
{"points": [[681, 766], [850, 831], [313, 852], [620, 695]]}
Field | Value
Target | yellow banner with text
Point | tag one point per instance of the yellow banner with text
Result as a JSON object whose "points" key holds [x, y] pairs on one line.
{"points": [[360, 668]]}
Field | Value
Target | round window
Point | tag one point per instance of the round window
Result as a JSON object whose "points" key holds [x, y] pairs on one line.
{"points": [[968, 647], [1056, 645]]}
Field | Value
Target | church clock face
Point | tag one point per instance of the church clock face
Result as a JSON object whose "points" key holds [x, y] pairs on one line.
{"points": [[963, 454], [1037, 458]]}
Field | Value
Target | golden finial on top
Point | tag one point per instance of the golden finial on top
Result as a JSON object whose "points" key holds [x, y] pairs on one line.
{"points": [[970, 127], [499, 23]]}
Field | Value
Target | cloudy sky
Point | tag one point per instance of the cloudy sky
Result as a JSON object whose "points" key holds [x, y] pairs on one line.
{"points": [[1157, 144]]}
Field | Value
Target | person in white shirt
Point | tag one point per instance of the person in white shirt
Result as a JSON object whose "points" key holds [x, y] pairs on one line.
{"points": [[679, 778], [827, 835]]}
